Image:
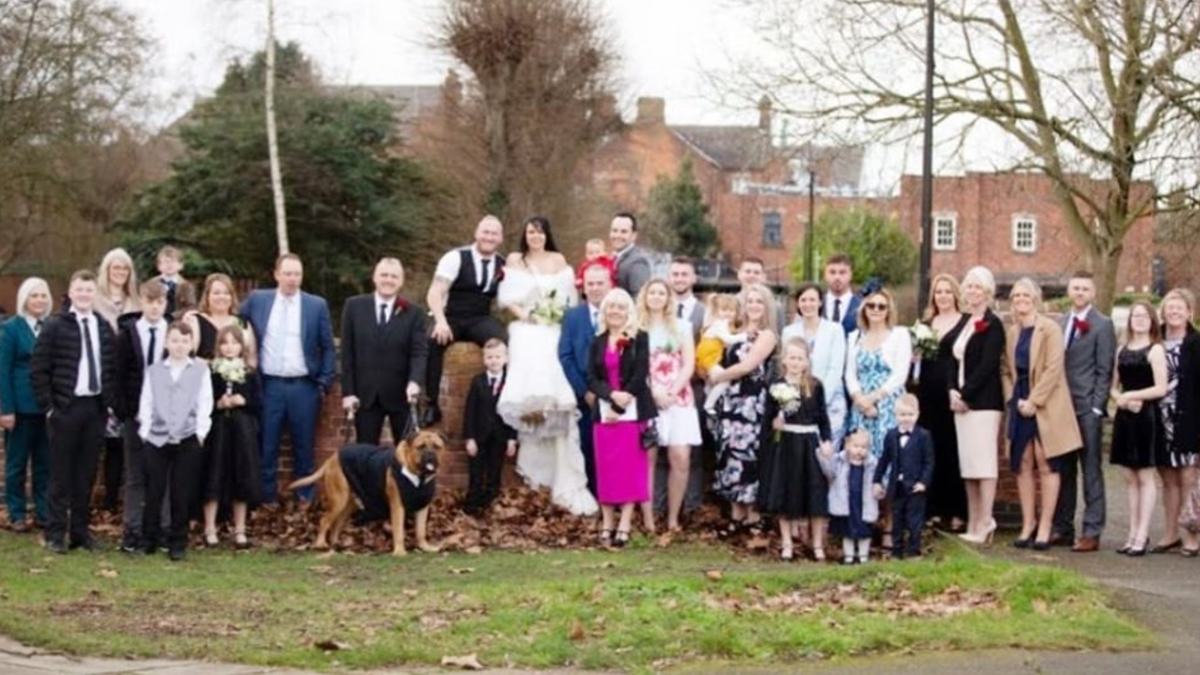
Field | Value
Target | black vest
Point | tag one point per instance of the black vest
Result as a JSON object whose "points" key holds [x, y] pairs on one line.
{"points": [[467, 299]]}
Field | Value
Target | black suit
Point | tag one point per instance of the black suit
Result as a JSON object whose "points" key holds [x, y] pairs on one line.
{"points": [[635, 373], [378, 363], [482, 424], [131, 369], [982, 388], [910, 464], [76, 423]]}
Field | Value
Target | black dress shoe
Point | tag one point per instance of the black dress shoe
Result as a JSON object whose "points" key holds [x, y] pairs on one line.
{"points": [[1163, 548], [56, 547], [1040, 546], [86, 544], [1062, 540], [177, 554], [1021, 543]]}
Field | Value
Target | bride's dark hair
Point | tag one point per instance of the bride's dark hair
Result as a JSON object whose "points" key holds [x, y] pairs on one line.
{"points": [[543, 225]]}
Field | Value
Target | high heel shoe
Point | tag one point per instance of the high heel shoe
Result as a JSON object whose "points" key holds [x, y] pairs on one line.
{"points": [[240, 542], [787, 554], [621, 538], [606, 538], [1138, 552], [210, 538], [1041, 545], [984, 537], [1023, 542]]}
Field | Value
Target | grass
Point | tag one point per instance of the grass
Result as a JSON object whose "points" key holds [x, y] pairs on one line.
{"points": [[641, 609]]}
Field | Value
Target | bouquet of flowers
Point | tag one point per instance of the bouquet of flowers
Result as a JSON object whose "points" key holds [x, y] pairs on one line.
{"points": [[924, 340], [787, 396], [549, 310], [232, 370]]}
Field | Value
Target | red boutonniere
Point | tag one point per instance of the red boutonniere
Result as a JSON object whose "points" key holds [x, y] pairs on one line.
{"points": [[499, 275], [399, 305], [623, 342], [1082, 327], [981, 325]]}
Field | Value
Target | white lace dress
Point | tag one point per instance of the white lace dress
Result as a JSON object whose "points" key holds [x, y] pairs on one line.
{"points": [[537, 399]]}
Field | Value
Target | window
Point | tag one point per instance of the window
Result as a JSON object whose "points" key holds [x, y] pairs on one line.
{"points": [[1024, 234], [945, 232], [772, 229]]}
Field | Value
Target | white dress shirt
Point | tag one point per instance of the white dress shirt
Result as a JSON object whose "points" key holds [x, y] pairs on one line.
{"points": [[594, 310], [204, 402], [160, 340], [283, 347], [390, 303], [1069, 333], [689, 306], [81, 378], [830, 299], [450, 264]]}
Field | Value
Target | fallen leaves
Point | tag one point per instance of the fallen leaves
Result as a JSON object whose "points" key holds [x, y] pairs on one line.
{"points": [[576, 633], [714, 575], [468, 662], [332, 645], [107, 573], [894, 600]]}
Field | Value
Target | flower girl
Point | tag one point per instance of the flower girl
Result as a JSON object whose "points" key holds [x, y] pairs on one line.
{"points": [[233, 475]]}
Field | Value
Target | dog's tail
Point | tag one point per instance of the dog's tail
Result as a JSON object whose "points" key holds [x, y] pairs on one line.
{"points": [[308, 480]]}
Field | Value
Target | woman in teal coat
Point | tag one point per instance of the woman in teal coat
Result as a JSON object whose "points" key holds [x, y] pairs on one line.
{"points": [[24, 423]]}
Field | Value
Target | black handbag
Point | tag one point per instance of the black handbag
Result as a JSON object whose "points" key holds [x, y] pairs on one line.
{"points": [[649, 436]]}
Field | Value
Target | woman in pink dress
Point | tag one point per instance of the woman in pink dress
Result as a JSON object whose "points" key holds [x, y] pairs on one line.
{"points": [[618, 371]]}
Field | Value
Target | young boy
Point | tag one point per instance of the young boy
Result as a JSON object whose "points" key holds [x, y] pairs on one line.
{"points": [[72, 369], [489, 439], [174, 416], [181, 294], [140, 344], [908, 451]]}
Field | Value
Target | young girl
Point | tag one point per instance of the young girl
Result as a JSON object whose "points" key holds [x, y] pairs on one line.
{"points": [[595, 253], [851, 501], [232, 476], [720, 331], [1138, 440], [792, 485]]}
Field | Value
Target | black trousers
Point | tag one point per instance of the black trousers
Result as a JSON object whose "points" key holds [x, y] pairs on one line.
{"points": [[477, 329], [484, 470], [114, 461], [908, 514], [76, 434], [176, 466], [368, 423]]}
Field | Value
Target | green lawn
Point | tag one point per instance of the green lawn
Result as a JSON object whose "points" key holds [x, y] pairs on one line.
{"points": [[641, 609]]}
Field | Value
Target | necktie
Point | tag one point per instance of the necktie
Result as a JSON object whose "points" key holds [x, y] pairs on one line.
{"points": [[494, 383], [93, 380], [593, 312], [483, 285], [679, 311], [837, 309], [37, 327], [150, 349], [170, 293], [904, 439], [383, 316]]}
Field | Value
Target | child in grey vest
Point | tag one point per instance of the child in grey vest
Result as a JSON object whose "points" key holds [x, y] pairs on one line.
{"points": [[174, 416]]}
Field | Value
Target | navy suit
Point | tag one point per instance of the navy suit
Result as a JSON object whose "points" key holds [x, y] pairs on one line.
{"points": [[910, 464], [294, 401], [27, 444], [574, 347], [849, 314]]}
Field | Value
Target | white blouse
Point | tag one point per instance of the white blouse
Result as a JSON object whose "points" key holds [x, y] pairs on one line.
{"points": [[828, 349], [897, 353]]}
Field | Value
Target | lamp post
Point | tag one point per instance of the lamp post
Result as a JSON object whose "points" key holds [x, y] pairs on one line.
{"points": [[927, 167], [809, 233]]}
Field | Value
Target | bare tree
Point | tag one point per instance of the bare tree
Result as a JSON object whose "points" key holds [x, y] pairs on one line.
{"points": [[1090, 90], [539, 68], [281, 231]]}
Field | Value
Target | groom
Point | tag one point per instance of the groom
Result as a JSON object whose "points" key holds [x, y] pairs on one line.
{"points": [[574, 345], [460, 300]]}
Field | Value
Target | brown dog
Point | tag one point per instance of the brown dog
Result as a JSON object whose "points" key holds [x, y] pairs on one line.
{"points": [[355, 474]]}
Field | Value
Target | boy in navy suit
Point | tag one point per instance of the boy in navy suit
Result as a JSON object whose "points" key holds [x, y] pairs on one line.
{"points": [[908, 451], [489, 439]]}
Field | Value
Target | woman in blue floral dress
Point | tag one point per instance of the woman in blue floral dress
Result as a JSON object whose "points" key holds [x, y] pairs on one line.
{"points": [[877, 361]]}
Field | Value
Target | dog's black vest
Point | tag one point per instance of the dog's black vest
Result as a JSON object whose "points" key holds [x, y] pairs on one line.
{"points": [[366, 468], [466, 298]]}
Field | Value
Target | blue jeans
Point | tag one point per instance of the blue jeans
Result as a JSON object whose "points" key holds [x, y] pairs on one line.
{"points": [[294, 402], [25, 445]]}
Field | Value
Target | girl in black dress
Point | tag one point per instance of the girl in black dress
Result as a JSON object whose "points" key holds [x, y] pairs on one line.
{"points": [[232, 478], [791, 484], [1138, 440]]}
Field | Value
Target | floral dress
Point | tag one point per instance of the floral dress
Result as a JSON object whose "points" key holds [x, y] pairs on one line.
{"points": [[737, 428], [873, 371], [679, 423], [1167, 404]]}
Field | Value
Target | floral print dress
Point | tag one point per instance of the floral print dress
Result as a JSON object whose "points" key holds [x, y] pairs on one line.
{"points": [[737, 428], [873, 371]]}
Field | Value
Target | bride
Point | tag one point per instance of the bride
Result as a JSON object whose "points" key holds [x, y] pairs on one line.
{"points": [[537, 400]]}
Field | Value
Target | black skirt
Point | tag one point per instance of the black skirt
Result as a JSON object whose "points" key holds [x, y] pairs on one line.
{"points": [[791, 483], [233, 473]]}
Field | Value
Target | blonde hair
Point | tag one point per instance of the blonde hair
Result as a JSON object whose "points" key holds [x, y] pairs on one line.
{"points": [[909, 401], [769, 310], [209, 281], [668, 317], [716, 303], [27, 289], [984, 277], [596, 241], [618, 295], [1181, 294], [806, 382], [1029, 285], [131, 285], [860, 436], [931, 309], [863, 325]]}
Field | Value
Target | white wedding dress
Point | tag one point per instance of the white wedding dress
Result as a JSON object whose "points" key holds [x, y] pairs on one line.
{"points": [[550, 454]]}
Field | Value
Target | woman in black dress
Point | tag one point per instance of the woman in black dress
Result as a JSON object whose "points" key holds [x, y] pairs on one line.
{"points": [[1138, 440], [795, 426], [218, 309], [947, 495], [232, 477]]}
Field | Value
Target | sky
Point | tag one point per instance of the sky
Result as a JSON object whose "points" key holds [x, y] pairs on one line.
{"points": [[665, 46]]}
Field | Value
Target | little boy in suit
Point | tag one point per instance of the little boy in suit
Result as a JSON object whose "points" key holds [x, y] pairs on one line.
{"points": [[489, 439], [181, 294], [908, 452]]}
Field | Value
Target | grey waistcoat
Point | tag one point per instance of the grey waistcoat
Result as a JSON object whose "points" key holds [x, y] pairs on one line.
{"points": [[174, 415]]}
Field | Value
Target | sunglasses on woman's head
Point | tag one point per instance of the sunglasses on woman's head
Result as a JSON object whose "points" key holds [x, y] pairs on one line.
{"points": [[876, 306]]}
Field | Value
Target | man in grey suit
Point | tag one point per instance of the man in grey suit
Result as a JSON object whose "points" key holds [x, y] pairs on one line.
{"points": [[1091, 345], [633, 264]]}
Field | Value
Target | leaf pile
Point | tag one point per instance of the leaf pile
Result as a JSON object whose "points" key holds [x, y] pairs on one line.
{"points": [[895, 600]]}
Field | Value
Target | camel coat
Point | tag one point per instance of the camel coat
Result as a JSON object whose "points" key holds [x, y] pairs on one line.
{"points": [[1048, 389]]}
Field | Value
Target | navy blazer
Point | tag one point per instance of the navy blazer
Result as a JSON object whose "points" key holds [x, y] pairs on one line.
{"points": [[850, 316], [316, 331], [911, 464], [574, 347], [16, 380]]}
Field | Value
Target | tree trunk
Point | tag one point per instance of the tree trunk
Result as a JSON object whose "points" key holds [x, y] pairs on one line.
{"points": [[281, 232], [1105, 266]]}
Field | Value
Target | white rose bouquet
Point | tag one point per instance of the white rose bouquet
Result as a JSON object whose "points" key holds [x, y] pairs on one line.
{"points": [[924, 340]]}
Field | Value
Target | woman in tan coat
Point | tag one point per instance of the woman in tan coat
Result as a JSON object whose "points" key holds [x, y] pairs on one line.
{"points": [[1035, 386]]}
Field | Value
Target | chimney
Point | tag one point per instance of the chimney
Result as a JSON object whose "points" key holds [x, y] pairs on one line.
{"points": [[764, 113], [651, 110]]}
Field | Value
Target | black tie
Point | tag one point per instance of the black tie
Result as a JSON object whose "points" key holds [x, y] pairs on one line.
{"points": [[1071, 334], [679, 311], [37, 327], [837, 309], [93, 381], [493, 383], [170, 293], [150, 349], [903, 439], [484, 282], [383, 317]]}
